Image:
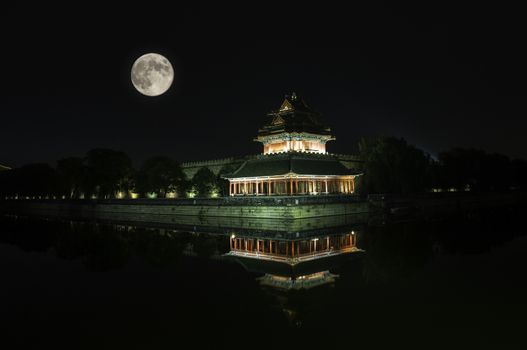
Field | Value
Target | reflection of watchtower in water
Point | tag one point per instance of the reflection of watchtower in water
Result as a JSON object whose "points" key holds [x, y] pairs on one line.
{"points": [[299, 263]]}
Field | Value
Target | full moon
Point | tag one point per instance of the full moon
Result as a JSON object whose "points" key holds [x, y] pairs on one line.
{"points": [[152, 74]]}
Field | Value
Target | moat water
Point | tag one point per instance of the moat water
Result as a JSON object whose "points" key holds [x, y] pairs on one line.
{"points": [[451, 283]]}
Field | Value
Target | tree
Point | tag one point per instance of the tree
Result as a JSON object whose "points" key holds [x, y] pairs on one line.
{"points": [[204, 182], [393, 166], [475, 169], [31, 180], [71, 174], [160, 175], [108, 172], [7, 183], [519, 174]]}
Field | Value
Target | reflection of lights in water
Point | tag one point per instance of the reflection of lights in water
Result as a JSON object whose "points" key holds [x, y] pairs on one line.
{"points": [[301, 282]]}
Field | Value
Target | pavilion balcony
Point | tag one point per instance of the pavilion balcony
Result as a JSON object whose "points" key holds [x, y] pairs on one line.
{"points": [[292, 185]]}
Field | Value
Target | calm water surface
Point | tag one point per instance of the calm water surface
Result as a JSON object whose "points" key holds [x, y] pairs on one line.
{"points": [[456, 283]]}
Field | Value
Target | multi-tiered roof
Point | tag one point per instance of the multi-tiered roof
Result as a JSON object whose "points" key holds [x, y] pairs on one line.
{"points": [[294, 127], [294, 159]]}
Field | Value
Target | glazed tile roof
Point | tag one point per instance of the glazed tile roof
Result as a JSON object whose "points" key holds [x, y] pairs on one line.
{"points": [[297, 163], [294, 116]]}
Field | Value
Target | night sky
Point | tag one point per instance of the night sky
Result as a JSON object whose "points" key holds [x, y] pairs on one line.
{"points": [[439, 76]]}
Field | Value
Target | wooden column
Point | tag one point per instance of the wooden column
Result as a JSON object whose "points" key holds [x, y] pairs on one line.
{"points": [[257, 184], [326, 185], [293, 249], [291, 186], [268, 187]]}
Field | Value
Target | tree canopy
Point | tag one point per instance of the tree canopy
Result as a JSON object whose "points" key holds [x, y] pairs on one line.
{"points": [[71, 174], [205, 182], [391, 165], [108, 172], [160, 175]]}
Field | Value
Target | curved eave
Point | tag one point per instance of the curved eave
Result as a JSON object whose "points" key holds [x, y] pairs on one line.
{"points": [[291, 175], [263, 134]]}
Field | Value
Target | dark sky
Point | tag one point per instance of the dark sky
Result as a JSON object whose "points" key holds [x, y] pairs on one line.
{"points": [[439, 75]]}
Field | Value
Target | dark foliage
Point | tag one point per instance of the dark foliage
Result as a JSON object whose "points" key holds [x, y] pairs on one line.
{"points": [[476, 170], [393, 166], [204, 182], [108, 172], [71, 174], [160, 175], [32, 180]]}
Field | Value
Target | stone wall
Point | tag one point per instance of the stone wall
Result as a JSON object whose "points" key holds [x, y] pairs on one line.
{"points": [[245, 208], [191, 168]]}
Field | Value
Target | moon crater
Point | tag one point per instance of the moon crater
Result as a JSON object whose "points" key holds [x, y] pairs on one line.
{"points": [[152, 74]]}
